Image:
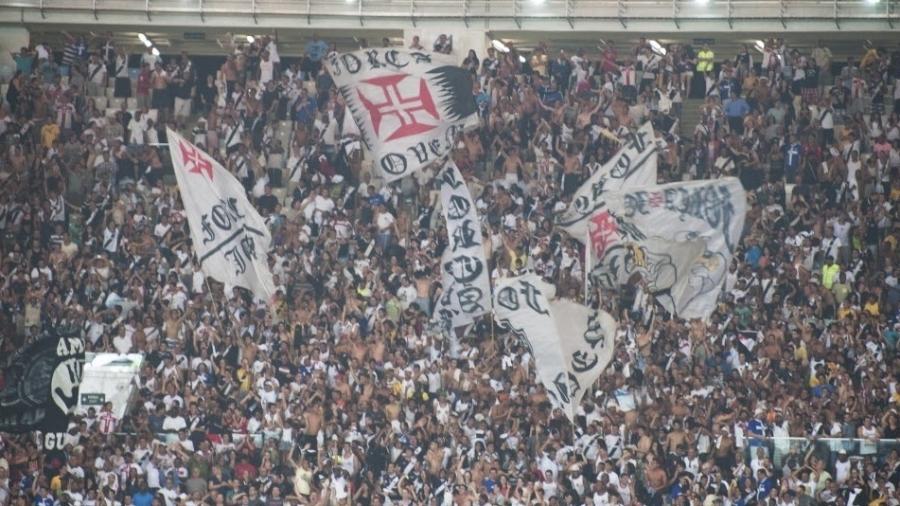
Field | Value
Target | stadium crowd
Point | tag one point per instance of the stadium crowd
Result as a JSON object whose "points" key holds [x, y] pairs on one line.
{"points": [[340, 392]]}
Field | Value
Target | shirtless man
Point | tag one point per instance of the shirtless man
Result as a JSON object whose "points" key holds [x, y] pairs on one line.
{"points": [[676, 438], [656, 480]]}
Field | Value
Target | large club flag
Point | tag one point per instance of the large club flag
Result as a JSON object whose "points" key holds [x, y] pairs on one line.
{"points": [[230, 238], [684, 233], [410, 106], [634, 165]]}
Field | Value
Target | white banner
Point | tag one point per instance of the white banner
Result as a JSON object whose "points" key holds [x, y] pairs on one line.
{"points": [[230, 238], [467, 288], [570, 343], [684, 234], [409, 105], [522, 308], [587, 339], [634, 165]]}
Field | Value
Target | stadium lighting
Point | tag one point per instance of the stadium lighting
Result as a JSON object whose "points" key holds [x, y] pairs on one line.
{"points": [[155, 52], [500, 46], [251, 39], [872, 2], [702, 2]]}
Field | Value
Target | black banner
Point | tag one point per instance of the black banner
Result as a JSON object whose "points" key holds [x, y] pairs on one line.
{"points": [[41, 383]]}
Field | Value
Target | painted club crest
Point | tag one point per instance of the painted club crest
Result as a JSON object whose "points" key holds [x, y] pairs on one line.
{"points": [[398, 105]]}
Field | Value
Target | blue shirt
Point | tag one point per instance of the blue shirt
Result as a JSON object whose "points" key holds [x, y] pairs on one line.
{"points": [[737, 108], [316, 49], [142, 498], [551, 97], [764, 487], [306, 113]]}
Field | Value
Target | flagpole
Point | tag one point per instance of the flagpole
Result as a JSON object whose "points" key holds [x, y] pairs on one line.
{"points": [[587, 264]]}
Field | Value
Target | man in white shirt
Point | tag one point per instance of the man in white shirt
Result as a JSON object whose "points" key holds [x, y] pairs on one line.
{"points": [[266, 68]]}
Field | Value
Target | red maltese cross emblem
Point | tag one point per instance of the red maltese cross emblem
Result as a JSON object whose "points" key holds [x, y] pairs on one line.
{"points": [[395, 115], [198, 163]]}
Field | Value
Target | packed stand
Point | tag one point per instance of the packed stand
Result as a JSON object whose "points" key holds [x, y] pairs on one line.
{"points": [[341, 393]]}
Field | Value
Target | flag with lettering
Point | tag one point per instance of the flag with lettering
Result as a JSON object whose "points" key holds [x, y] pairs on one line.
{"points": [[230, 238], [409, 105], [40, 385], [523, 309], [466, 284], [587, 338], [680, 237], [635, 164]]}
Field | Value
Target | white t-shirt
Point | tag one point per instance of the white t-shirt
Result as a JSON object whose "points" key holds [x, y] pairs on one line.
{"points": [[384, 221], [266, 70]]}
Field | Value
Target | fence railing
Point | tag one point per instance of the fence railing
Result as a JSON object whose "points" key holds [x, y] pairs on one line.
{"points": [[412, 10], [777, 449]]}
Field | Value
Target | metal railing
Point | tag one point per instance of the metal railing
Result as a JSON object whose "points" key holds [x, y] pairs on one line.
{"points": [[622, 11]]}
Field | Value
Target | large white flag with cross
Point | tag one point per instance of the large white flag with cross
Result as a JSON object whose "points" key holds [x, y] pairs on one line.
{"points": [[410, 106], [230, 238]]}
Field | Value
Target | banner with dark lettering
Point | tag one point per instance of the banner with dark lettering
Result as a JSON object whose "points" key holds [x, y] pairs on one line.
{"points": [[680, 237], [523, 309], [466, 282], [410, 106], [632, 166], [41, 382], [570, 343], [230, 238], [587, 338]]}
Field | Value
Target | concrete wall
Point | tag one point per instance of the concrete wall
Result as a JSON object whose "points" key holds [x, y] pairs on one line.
{"points": [[463, 39], [12, 38]]}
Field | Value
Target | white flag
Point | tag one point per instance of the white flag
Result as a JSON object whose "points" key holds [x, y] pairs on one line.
{"points": [[467, 288], [230, 238], [522, 308], [570, 343], [668, 224], [409, 105], [587, 339], [634, 165]]}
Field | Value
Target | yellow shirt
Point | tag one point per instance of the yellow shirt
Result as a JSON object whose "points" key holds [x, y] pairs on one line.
{"points": [[243, 377], [872, 308], [49, 134], [829, 274], [705, 60]]}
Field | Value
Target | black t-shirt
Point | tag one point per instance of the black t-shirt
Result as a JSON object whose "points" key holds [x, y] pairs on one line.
{"points": [[267, 203]]}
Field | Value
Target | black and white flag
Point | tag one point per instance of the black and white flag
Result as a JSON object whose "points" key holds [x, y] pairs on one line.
{"points": [[41, 382], [571, 344], [680, 237], [633, 165], [464, 270], [230, 238], [409, 105]]}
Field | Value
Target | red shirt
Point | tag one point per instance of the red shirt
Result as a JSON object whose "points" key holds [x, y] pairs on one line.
{"points": [[143, 83]]}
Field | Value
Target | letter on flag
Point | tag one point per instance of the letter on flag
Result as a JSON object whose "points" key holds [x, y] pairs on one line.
{"points": [[409, 105], [230, 238]]}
